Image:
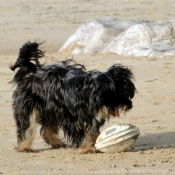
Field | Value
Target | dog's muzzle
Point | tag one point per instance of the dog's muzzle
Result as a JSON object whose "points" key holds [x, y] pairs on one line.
{"points": [[116, 113]]}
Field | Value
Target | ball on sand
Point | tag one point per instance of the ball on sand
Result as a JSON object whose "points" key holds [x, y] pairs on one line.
{"points": [[117, 138]]}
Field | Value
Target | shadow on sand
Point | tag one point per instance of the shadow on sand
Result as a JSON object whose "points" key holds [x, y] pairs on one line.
{"points": [[158, 140], [148, 142]]}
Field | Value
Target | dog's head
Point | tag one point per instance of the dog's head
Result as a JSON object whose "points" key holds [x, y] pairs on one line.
{"points": [[113, 91]]}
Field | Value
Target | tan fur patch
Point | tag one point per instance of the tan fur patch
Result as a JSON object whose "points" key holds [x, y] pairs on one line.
{"points": [[26, 144], [88, 143], [90, 138], [103, 113], [51, 137], [30, 133]]}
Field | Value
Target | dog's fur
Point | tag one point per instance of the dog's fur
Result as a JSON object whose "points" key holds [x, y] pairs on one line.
{"points": [[66, 97]]}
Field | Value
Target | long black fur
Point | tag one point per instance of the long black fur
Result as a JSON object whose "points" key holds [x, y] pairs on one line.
{"points": [[66, 95]]}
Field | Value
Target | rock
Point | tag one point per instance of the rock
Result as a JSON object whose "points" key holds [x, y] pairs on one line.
{"points": [[94, 36], [123, 37], [147, 39]]}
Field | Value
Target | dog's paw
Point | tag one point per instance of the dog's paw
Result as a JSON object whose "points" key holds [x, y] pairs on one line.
{"points": [[57, 146], [88, 150], [26, 150]]}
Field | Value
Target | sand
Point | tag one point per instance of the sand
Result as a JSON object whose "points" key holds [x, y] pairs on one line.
{"points": [[153, 111]]}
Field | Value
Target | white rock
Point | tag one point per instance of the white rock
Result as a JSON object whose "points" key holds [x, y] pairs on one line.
{"points": [[92, 37], [95, 35], [129, 38], [147, 39]]}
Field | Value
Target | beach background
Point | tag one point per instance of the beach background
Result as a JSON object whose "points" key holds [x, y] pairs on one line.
{"points": [[54, 21]]}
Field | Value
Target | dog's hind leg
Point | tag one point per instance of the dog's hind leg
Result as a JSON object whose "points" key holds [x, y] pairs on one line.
{"points": [[50, 134], [25, 136]]}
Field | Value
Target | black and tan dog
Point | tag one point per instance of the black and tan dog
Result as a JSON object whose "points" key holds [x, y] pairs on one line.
{"points": [[66, 97]]}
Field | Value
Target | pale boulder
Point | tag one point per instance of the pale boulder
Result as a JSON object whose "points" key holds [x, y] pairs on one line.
{"points": [[123, 37], [147, 39]]}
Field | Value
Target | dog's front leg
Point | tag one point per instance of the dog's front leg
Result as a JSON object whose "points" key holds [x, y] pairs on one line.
{"points": [[88, 144]]}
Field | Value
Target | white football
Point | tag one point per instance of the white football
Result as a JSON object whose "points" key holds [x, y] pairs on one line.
{"points": [[117, 138]]}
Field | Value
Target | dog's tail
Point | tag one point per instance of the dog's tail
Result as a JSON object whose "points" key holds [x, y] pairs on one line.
{"points": [[27, 59]]}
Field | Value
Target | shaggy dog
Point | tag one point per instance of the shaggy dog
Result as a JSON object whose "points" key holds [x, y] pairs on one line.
{"points": [[66, 97]]}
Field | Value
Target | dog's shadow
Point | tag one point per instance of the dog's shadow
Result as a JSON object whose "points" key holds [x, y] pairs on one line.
{"points": [[143, 143], [158, 140]]}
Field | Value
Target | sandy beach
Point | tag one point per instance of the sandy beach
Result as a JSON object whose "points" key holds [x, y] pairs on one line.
{"points": [[154, 104]]}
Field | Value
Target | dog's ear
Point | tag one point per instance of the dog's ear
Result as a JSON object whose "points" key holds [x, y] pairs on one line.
{"points": [[123, 78], [103, 90]]}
